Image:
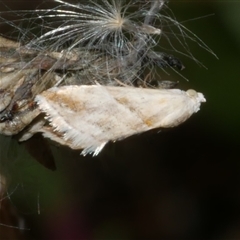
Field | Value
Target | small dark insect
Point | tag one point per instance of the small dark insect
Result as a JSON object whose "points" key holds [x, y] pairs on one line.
{"points": [[164, 60], [6, 116]]}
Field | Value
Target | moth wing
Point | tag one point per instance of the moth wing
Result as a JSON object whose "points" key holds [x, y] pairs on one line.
{"points": [[87, 117]]}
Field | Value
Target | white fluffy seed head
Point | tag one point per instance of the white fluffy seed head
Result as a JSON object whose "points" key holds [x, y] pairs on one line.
{"points": [[113, 40], [110, 38], [93, 24]]}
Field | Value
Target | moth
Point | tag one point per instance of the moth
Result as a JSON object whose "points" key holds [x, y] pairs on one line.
{"points": [[87, 117], [88, 78]]}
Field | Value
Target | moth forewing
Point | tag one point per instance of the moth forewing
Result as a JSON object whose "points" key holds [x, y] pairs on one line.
{"points": [[87, 117]]}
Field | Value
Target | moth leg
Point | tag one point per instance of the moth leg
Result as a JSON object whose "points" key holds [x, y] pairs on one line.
{"points": [[149, 82], [163, 84], [158, 84]]}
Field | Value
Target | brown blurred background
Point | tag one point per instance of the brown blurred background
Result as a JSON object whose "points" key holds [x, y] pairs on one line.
{"points": [[183, 183]]}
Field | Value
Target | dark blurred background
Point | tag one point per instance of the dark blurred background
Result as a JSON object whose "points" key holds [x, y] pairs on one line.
{"points": [[182, 183]]}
